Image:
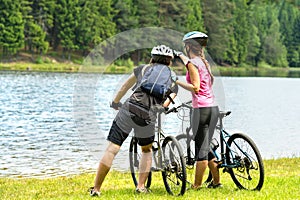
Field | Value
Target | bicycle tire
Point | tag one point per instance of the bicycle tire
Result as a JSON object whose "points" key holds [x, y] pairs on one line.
{"points": [[190, 164], [174, 169], [134, 161], [249, 174]]}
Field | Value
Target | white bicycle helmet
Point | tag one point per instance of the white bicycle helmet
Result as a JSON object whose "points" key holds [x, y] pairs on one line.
{"points": [[162, 50], [194, 35]]}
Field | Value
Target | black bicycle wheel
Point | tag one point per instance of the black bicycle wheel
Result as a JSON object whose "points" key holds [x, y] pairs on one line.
{"points": [[189, 146], [174, 169], [249, 173], [134, 161]]}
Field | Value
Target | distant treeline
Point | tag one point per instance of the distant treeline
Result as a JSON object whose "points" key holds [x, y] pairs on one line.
{"points": [[241, 32]]}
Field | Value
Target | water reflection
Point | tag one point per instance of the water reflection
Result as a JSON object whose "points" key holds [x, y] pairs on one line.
{"points": [[55, 124]]}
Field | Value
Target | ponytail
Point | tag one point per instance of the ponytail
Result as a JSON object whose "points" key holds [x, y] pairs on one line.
{"points": [[199, 51]]}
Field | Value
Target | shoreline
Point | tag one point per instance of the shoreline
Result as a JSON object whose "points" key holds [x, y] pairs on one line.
{"points": [[93, 170], [77, 68]]}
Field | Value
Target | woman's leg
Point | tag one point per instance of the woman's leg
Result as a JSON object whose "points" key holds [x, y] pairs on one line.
{"points": [[199, 172], [105, 164], [145, 165], [201, 119], [213, 166]]}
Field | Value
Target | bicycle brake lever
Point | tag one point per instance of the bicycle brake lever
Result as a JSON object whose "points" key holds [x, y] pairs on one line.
{"points": [[174, 109]]}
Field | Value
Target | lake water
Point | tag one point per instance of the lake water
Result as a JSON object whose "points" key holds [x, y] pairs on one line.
{"points": [[55, 124]]}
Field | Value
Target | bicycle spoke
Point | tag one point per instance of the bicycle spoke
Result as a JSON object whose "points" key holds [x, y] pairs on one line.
{"points": [[174, 174], [242, 153]]}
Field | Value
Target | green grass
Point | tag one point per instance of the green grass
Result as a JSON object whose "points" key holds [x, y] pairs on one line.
{"points": [[45, 67], [282, 181]]}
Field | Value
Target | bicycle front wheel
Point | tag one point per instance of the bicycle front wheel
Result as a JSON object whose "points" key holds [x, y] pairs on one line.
{"points": [[174, 170], [135, 154], [242, 153]]}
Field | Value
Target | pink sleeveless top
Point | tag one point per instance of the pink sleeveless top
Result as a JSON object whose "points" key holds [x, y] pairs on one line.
{"points": [[205, 96]]}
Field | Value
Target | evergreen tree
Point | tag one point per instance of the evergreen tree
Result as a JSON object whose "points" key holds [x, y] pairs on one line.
{"points": [[217, 21], [253, 47], [241, 24], [35, 36], [95, 24], [272, 49], [43, 15], [147, 12], [67, 19], [288, 15], [11, 26], [294, 56], [194, 20], [172, 14], [125, 17]]}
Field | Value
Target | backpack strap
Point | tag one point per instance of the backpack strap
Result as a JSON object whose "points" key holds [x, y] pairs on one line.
{"points": [[144, 69]]}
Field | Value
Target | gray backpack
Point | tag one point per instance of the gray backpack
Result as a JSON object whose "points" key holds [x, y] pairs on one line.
{"points": [[154, 88]]}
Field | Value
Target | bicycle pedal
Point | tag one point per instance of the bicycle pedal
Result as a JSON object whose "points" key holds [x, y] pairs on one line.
{"points": [[225, 170], [154, 169], [219, 162]]}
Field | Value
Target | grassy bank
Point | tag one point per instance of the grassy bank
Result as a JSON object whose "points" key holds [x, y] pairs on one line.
{"points": [[282, 180], [116, 69]]}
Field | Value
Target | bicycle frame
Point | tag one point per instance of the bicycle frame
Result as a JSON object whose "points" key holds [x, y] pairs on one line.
{"points": [[238, 154], [167, 158], [224, 136], [160, 136]]}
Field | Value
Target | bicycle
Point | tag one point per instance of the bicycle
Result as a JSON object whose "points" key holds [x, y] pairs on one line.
{"points": [[238, 154], [168, 158]]}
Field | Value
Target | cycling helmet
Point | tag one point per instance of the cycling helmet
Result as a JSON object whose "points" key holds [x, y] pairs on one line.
{"points": [[162, 50], [195, 36]]}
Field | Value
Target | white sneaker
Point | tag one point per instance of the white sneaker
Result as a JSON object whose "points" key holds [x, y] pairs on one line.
{"points": [[94, 193]]}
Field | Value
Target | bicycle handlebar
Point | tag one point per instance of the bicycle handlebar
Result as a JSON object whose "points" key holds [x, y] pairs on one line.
{"points": [[175, 109]]}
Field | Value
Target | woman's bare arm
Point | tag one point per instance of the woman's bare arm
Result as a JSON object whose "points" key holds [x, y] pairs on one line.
{"points": [[124, 88], [194, 74]]}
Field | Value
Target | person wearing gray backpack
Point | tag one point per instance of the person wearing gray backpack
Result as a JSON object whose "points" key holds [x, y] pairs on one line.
{"points": [[154, 88]]}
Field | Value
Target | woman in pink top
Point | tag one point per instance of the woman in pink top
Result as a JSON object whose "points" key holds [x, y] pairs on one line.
{"points": [[205, 113]]}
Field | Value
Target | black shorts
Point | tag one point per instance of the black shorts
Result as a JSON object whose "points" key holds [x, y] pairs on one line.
{"points": [[118, 136]]}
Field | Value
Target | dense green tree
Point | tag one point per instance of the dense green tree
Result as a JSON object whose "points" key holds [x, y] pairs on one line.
{"points": [[95, 24], [194, 20], [217, 21], [11, 26], [125, 16], [240, 31], [35, 36], [238, 49], [294, 55], [172, 14], [67, 18], [42, 12], [272, 50], [253, 47], [288, 15]]}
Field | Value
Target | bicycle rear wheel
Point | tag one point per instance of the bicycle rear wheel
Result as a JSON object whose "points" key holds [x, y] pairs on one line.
{"points": [[249, 173], [134, 161], [174, 169], [188, 148]]}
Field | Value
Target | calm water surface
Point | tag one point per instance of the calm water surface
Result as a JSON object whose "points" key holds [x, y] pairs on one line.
{"points": [[54, 124]]}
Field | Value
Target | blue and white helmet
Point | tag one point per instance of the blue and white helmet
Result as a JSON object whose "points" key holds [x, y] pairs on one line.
{"points": [[162, 50], [194, 35], [196, 38]]}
